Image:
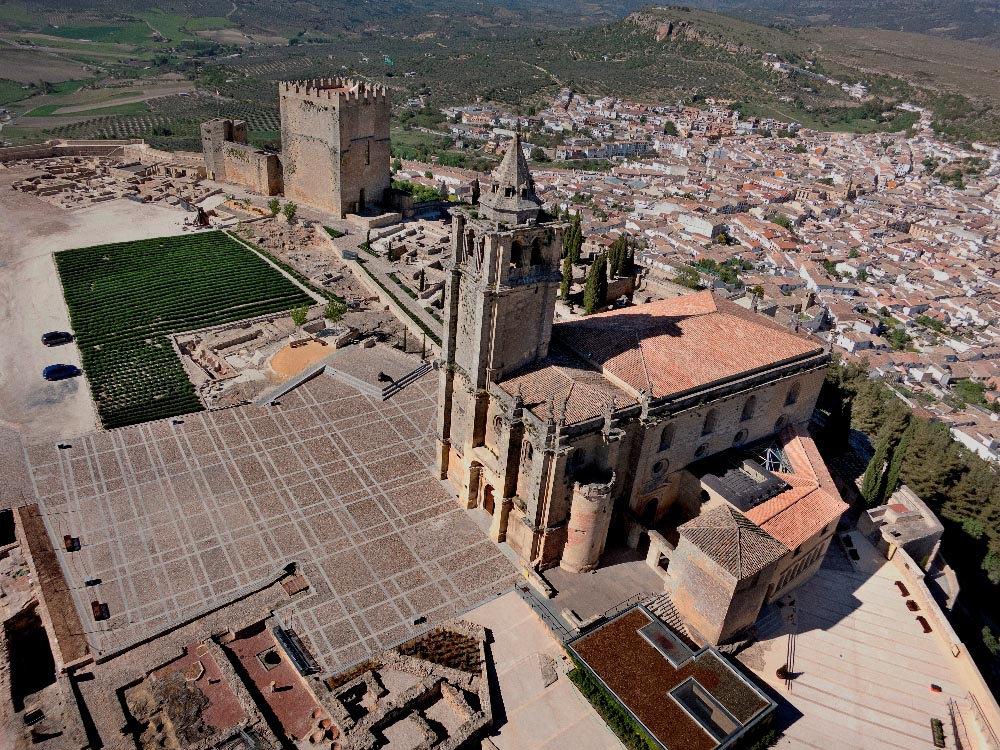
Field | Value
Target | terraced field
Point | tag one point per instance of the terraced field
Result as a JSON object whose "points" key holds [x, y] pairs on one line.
{"points": [[124, 300]]}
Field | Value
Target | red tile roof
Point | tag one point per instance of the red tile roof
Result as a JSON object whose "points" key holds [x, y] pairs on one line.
{"points": [[733, 541], [681, 344], [562, 379], [811, 503]]}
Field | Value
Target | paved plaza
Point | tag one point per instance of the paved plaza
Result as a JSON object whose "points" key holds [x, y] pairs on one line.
{"points": [[864, 665], [177, 518], [530, 714]]}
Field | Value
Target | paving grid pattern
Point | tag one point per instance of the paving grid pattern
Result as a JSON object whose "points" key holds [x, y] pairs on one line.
{"points": [[175, 519], [863, 664]]}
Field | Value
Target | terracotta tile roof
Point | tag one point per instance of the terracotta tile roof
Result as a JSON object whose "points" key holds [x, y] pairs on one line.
{"points": [[682, 343], [813, 501], [562, 378], [733, 541]]}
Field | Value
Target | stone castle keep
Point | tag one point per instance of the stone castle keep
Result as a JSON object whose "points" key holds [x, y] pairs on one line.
{"points": [[677, 427], [335, 147]]}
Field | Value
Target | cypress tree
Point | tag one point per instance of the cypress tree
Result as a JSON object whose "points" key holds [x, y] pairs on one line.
{"points": [[573, 240], [872, 479], [567, 279], [617, 254], [895, 465], [596, 287]]}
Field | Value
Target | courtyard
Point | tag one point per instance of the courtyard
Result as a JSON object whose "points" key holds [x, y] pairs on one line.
{"points": [[177, 517]]}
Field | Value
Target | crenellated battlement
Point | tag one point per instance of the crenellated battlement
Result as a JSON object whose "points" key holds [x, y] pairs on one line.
{"points": [[347, 89]]}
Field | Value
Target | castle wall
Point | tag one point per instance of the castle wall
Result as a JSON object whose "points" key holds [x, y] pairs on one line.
{"points": [[228, 158], [256, 170]]}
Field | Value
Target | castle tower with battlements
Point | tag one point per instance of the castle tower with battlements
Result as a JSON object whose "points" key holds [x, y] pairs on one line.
{"points": [[335, 143]]}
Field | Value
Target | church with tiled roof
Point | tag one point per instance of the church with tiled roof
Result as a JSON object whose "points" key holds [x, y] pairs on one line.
{"points": [[678, 428]]}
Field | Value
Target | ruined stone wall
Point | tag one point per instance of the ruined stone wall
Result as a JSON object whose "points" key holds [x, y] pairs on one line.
{"points": [[228, 158], [256, 170], [335, 144]]}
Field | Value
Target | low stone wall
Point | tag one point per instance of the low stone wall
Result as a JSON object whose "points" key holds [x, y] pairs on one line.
{"points": [[913, 577]]}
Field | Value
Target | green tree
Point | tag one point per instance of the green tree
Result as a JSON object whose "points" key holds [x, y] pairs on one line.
{"points": [[781, 221], [990, 641], [289, 210], [669, 128], [573, 240], [991, 564], [872, 479], [397, 164], [618, 256], [597, 285], [299, 315], [896, 459], [567, 279], [334, 311], [422, 281], [274, 205]]}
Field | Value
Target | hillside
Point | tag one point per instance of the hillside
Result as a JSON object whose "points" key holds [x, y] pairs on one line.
{"points": [[663, 53], [969, 20]]}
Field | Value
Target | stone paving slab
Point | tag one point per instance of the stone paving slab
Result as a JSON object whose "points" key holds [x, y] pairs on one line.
{"points": [[177, 518]]}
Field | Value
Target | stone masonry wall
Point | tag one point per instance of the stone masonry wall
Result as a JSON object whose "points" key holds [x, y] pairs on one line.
{"points": [[335, 144]]}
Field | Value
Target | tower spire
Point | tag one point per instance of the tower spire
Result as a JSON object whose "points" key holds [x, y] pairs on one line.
{"points": [[511, 199]]}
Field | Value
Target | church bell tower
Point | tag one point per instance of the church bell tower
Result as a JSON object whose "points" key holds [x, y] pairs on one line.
{"points": [[502, 284]]}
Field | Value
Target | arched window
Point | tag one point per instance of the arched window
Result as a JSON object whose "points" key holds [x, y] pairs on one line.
{"points": [[536, 252], [527, 451], [497, 424], [702, 450], [516, 252], [793, 394], [649, 512], [666, 437], [748, 408], [661, 466], [781, 423], [739, 437], [708, 427]]}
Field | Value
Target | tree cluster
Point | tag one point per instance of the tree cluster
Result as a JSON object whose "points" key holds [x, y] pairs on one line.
{"points": [[621, 257], [962, 488]]}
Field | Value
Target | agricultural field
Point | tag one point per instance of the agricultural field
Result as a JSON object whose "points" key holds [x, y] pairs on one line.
{"points": [[125, 299]]}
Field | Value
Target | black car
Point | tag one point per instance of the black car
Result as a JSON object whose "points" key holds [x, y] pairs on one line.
{"points": [[56, 338], [60, 372]]}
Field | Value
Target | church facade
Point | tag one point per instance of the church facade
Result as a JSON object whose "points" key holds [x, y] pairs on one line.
{"points": [[677, 428]]}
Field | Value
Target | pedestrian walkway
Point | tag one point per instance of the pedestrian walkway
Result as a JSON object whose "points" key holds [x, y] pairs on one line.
{"points": [[863, 667]]}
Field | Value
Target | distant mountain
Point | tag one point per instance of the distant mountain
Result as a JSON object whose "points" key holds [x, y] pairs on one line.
{"points": [[969, 20]]}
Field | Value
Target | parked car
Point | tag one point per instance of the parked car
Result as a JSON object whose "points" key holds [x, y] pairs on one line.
{"points": [[56, 338], [60, 372]]}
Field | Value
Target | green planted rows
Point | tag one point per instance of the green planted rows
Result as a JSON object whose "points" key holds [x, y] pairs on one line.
{"points": [[124, 300]]}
